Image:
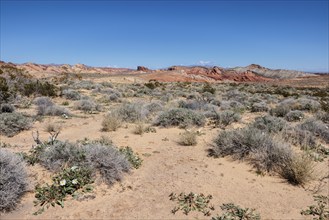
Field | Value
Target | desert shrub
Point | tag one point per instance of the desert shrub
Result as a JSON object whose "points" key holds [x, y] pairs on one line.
{"points": [[84, 84], [134, 159], [13, 123], [280, 110], [303, 138], [139, 128], [308, 104], [60, 154], [323, 116], [252, 144], [71, 94], [53, 110], [188, 138], [130, 112], [298, 169], [13, 179], [232, 105], [111, 98], [110, 163], [317, 127], [208, 88], [6, 108], [111, 122], [180, 117], [40, 88], [269, 124], [191, 104], [294, 115], [259, 107], [87, 105], [43, 101], [222, 118], [235, 212]]}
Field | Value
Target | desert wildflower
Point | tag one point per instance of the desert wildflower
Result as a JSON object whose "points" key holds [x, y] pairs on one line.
{"points": [[75, 181], [74, 168], [62, 182]]}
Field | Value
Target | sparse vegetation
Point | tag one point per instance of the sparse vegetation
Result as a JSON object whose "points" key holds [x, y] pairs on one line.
{"points": [[188, 138], [235, 212], [320, 210], [192, 202], [131, 156], [111, 122]]}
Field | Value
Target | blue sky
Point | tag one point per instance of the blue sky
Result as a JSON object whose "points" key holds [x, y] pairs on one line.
{"points": [[156, 34]]}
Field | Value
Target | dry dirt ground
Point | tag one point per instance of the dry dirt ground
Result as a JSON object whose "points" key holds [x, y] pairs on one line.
{"points": [[167, 167]]}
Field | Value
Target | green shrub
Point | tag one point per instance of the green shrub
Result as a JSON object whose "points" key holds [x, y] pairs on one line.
{"points": [[6, 108], [235, 212], [13, 123], [321, 209], [180, 117], [67, 182], [13, 179], [131, 156]]}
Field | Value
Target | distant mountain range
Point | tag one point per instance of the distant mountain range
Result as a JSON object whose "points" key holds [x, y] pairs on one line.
{"points": [[253, 72]]}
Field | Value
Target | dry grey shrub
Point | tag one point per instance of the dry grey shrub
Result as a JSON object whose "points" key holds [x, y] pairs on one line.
{"points": [[269, 124], [280, 110], [180, 117], [87, 105], [303, 138], [13, 179], [131, 112], [317, 127], [323, 116], [107, 160], [13, 123], [46, 107], [294, 115], [71, 94], [253, 145], [6, 108], [259, 107], [139, 128]]}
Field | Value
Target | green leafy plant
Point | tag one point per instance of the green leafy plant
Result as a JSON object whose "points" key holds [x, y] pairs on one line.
{"points": [[320, 210], [192, 202], [131, 156], [67, 182], [235, 212]]}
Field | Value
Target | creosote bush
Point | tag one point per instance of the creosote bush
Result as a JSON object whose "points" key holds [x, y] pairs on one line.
{"points": [[13, 123], [13, 179], [180, 117]]}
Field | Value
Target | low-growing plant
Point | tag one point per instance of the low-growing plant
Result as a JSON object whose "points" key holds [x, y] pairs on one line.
{"points": [[135, 160], [130, 112], [87, 105], [13, 123], [270, 124], [188, 138], [298, 169], [259, 107], [13, 179], [139, 128], [180, 117], [67, 182], [295, 115], [192, 202], [323, 116], [111, 122], [235, 212], [317, 127], [320, 210], [280, 110], [71, 94], [224, 118]]}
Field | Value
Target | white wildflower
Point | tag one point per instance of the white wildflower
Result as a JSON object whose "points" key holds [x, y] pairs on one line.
{"points": [[62, 182], [74, 168], [75, 181]]}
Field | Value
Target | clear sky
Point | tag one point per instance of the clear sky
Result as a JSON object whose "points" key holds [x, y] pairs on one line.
{"points": [[156, 34]]}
